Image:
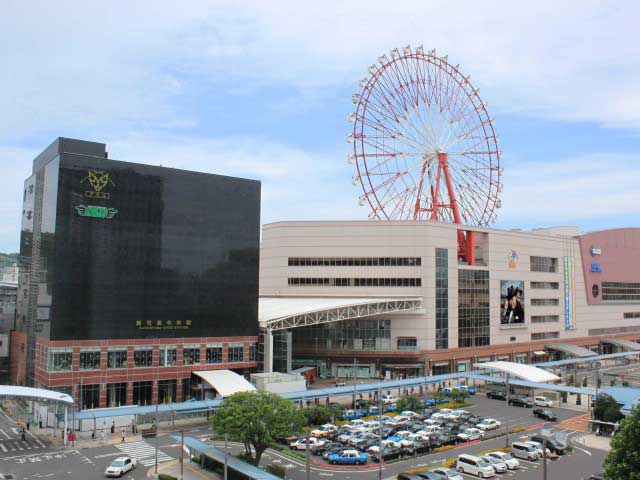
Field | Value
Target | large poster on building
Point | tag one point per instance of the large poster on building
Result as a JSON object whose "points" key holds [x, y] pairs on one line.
{"points": [[511, 301]]}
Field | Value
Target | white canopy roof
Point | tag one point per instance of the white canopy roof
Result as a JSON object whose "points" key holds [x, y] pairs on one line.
{"points": [[520, 370], [34, 394], [225, 382]]}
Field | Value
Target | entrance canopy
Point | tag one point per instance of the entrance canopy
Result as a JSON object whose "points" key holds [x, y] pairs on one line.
{"points": [[570, 349], [225, 382], [34, 394], [520, 370], [624, 344], [282, 313]]}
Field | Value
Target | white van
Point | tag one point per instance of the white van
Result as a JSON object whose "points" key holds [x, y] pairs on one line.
{"points": [[475, 466], [542, 402], [524, 451]]}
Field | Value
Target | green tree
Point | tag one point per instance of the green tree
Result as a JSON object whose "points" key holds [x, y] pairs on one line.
{"points": [[322, 414], [606, 409], [463, 395], [410, 402], [256, 419], [455, 395], [439, 395], [623, 460]]}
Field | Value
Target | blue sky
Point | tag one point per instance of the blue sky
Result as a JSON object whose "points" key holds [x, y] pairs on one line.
{"points": [[262, 90]]}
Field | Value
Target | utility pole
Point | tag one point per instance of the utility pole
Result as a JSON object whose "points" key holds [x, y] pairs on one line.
{"points": [[181, 454], [308, 461], [157, 423], [355, 366], [226, 454], [380, 433], [507, 420], [544, 462]]}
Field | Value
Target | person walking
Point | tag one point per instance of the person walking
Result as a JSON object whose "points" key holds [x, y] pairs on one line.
{"points": [[28, 423], [113, 427], [24, 434], [123, 434]]}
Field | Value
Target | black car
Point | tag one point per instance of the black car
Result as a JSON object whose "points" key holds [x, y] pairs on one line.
{"points": [[551, 443], [496, 395], [446, 439], [388, 453], [421, 447], [318, 449], [545, 414], [521, 402]]}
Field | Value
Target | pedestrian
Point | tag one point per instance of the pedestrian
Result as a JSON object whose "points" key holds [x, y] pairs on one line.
{"points": [[24, 434], [28, 423], [40, 422], [123, 434], [133, 427], [113, 427]]}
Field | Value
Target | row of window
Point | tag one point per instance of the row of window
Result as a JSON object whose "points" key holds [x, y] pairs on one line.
{"points": [[545, 318], [607, 330], [620, 291], [356, 282], [544, 335], [631, 314], [167, 357], [543, 264], [407, 343], [355, 261], [545, 285], [89, 395], [544, 302]]}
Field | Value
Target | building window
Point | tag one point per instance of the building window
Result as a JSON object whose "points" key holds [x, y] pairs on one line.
{"points": [[89, 396], [407, 343], [90, 360], [607, 330], [442, 298], [545, 285], [354, 282], [473, 308], [117, 359], [356, 334], [545, 318], [116, 394], [354, 261], [168, 356], [142, 393], [214, 354], [191, 355], [544, 302], [595, 290], [543, 264], [236, 353], [167, 390], [143, 357], [620, 292], [60, 360], [186, 390], [544, 335], [253, 352], [631, 314]]}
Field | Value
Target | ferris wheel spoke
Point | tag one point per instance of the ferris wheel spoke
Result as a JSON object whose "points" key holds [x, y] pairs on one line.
{"points": [[388, 87]]}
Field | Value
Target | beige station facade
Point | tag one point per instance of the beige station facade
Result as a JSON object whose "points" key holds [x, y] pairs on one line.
{"points": [[574, 290]]}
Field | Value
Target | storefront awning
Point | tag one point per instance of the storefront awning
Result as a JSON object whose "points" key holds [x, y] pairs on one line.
{"points": [[625, 344], [225, 382], [403, 365], [570, 349]]}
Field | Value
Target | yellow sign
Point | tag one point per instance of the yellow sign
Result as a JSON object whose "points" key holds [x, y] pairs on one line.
{"points": [[98, 179], [163, 325]]}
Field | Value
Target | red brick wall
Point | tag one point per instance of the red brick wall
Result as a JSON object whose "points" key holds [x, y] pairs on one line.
{"points": [[18, 358]]}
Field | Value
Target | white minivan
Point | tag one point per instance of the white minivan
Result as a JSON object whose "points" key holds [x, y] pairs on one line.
{"points": [[475, 466], [524, 451], [542, 402]]}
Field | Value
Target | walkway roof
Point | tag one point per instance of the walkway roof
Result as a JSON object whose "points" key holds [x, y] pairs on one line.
{"points": [[571, 349], [34, 394], [218, 455], [536, 385], [520, 370], [620, 342], [225, 382], [280, 313]]}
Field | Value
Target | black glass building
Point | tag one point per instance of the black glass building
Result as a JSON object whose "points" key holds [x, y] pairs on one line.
{"points": [[115, 250]]}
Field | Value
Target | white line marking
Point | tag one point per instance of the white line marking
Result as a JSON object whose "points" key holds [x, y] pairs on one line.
{"points": [[5, 434], [4, 449]]}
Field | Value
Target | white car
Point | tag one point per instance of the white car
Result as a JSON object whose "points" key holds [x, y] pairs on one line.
{"points": [[385, 444], [498, 465], [542, 402], [120, 466], [301, 444], [409, 413], [389, 400], [489, 424], [538, 446], [324, 430], [471, 434], [512, 463], [447, 473]]}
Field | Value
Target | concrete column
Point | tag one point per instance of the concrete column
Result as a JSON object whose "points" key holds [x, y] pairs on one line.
{"points": [[65, 436], [268, 352]]}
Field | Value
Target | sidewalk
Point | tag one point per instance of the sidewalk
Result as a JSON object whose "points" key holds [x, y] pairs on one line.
{"points": [[591, 440], [191, 471]]}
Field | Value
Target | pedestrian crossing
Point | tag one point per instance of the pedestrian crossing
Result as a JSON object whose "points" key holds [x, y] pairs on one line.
{"points": [[144, 453], [7, 446]]}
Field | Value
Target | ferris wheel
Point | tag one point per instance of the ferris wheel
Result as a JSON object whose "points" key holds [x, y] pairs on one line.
{"points": [[423, 143]]}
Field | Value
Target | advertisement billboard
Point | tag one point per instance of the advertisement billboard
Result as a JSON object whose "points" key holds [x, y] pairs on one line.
{"points": [[511, 301]]}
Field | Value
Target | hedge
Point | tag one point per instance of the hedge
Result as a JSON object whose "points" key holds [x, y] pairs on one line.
{"points": [[164, 476]]}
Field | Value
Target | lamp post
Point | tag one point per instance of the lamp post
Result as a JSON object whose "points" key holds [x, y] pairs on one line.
{"points": [[355, 366]]}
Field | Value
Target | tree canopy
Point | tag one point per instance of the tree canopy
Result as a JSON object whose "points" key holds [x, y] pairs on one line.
{"points": [[606, 409], [256, 419], [623, 460], [410, 402]]}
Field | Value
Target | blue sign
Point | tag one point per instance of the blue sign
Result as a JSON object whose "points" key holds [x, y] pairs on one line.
{"points": [[595, 268]]}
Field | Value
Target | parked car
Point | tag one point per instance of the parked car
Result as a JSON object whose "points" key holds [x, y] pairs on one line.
{"points": [[521, 402], [447, 473], [340, 383], [301, 443], [489, 424], [471, 434], [320, 449], [324, 431], [496, 395], [551, 443], [467, 388], [545, 414], [475, 466], [540, 448], [512, 463], [120, 466], [409, 476], [498, 465], [389, 399], [388, 453], [333, 451], [352, 414], [348, 457], [542, 402], [524, 451]]}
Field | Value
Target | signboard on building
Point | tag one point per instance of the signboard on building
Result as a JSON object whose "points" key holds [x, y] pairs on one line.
{"points": [[569, 295]]}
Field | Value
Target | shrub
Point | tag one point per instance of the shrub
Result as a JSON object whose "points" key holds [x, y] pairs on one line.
{"points": [[518, 429], [164, 476], [450, 463], [276, 470], [444, 448]]}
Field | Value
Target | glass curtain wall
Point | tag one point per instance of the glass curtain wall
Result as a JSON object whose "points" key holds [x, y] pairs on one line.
{"points": [[442, 298], [473, 308]]}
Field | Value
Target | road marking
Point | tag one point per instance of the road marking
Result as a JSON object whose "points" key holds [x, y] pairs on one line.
{"points": [[4, 449], [144, 453], [5, 434], [105, 455]]}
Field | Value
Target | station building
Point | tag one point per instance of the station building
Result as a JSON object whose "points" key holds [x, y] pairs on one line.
{"points": [[132, 277], [395, 299]]}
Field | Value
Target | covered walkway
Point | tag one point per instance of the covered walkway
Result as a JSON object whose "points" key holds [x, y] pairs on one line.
{"points": [[526, 372], [225, 382], [570, 349], [625, 345]]}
